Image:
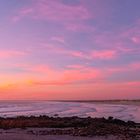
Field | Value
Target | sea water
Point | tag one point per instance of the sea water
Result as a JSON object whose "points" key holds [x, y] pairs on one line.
{"points": [[68, 109]]}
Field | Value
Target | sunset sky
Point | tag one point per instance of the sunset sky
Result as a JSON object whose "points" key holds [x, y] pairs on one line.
{"points": [[69, 49]]}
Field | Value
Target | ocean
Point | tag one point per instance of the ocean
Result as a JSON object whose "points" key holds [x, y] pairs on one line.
{"points": [[67, 109]]}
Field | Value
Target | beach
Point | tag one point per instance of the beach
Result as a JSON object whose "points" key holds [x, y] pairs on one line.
{"points": [[71, 120]]}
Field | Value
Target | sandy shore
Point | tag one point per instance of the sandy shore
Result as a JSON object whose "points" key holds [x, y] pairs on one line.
{"points": [[20, 134]]}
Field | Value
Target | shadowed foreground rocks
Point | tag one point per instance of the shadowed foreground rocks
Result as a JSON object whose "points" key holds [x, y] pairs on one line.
{"points": [[74, 126]]}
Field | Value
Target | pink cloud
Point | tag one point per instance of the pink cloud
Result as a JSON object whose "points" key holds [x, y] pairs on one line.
{"points": [[39, 71], [51, 83], [89, 55], [59, 39], [64, 51], [136, 39], [133, 84], [74, 75], [51, 76], [77, 54], [76, 66], [82, 74], [86, 80], [132, 67], [26, 11], [22, 13], [70, 16], [15, 19], [11, 53], [132, 33], [104, 54], [78, 27], [94, 54], [55, 10], [113, 70], [135, 65], [124, 41]]}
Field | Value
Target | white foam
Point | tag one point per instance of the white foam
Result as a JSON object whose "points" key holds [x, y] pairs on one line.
{"points": [[125, 112]]}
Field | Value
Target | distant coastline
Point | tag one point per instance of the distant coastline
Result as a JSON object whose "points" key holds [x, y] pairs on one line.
{"points": [[115, 101], [79, 100]]}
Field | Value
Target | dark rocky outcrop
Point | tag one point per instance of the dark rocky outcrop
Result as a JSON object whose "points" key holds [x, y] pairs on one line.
{"points": [[75, 126]]}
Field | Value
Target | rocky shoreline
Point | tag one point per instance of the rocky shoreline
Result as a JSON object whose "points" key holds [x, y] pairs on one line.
{"points": [[74, 126]]}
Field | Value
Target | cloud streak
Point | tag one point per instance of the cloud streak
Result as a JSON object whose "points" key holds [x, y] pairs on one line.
{"points": [[11, 53], [54, 10]]}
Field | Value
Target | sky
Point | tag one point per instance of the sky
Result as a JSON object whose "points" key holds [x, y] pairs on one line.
{"points": [[69, 49]]}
